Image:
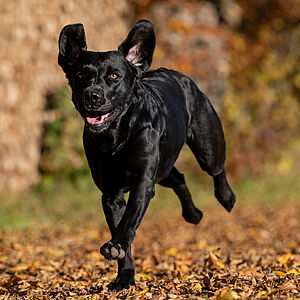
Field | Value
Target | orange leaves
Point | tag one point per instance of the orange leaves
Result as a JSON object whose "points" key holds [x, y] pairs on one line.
{"points": [[288, 285], [177, 25], [12, 280], [178, 261]]}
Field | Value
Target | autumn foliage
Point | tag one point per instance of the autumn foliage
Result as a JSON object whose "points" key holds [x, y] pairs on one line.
{"points": [[249, 253], [245, 56]]}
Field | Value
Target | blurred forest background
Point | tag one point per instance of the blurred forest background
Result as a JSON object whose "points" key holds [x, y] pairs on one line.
{"points": [[243, 54]]}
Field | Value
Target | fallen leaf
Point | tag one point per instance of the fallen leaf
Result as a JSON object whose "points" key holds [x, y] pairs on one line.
{"points": [[171, 251], [293, 271], [279, 273], [236, 261], [20, 268], [251, 272], [138, 276], [285, 258], [142, 292], [197, 287], [202, 244], [215, 262], [262, 294], [227, 295], [289, 285]]}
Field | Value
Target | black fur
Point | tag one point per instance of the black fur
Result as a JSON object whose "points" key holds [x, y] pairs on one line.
{"points": [[148, 118]]}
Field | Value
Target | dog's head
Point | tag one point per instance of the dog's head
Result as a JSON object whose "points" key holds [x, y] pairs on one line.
{"points": [[102, 82]]}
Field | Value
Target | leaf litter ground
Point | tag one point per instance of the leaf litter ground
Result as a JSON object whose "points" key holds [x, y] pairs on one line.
{"points": [[252, 252]]}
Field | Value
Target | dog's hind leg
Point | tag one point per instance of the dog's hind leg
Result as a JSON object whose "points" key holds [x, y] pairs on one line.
{"points": [[206, 140], [114, 207], [176, 181]]}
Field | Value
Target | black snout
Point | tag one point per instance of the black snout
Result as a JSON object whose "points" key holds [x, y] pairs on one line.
{"points": [[96, 96], [94, 99]]}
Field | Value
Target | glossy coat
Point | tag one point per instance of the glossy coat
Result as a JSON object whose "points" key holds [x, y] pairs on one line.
{"points": [[150, 117]]}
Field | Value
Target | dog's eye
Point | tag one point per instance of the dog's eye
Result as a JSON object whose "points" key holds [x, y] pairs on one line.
{"points": [[80, 76], [113, 76]]}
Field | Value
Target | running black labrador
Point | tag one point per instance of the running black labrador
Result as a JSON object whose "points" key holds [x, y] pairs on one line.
{"points": [[136, 123]]}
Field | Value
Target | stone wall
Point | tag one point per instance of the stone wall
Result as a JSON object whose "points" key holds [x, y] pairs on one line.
{"points": [[28, 70]]}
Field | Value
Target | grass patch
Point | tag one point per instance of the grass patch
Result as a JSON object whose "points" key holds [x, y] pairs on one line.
{"points": [[58, 201], [73, 202]]}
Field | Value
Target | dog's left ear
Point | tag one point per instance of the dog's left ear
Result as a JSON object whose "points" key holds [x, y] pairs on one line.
{"points": [[138, 47], [71, 42]]}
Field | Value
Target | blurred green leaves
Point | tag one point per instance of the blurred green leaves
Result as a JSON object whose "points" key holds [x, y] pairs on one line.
{"points": [[62, 150]]}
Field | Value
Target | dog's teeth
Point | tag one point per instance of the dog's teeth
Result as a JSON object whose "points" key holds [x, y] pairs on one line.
{"points": [[106, 116]]}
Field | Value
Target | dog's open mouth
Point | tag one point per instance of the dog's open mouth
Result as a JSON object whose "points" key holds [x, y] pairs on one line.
{"points": [[102, 120]]}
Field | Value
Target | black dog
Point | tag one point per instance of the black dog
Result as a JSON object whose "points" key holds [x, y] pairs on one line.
{"points": [[136, 123]]}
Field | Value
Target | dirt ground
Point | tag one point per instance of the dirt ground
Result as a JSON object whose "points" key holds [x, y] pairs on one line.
{"points": [[252, 252]]}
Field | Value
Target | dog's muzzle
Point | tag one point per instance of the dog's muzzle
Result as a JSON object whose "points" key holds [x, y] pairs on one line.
{"points": [[94, 99]]}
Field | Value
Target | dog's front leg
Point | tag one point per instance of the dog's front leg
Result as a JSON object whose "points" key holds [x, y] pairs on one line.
{"points": [[119, 246], [139, 198], [114, 207], [143, 163]]}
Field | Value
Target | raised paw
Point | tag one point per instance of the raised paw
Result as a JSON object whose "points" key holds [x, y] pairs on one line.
{"points": [[223, 192], [193, 216], [226, 197], [112, 251]]}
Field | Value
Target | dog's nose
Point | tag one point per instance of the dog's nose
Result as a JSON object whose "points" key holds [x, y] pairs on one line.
{"points": [[96, 96]]}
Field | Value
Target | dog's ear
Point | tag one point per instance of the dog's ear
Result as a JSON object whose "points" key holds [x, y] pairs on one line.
{"points": [[71, 42], [138, 47]]}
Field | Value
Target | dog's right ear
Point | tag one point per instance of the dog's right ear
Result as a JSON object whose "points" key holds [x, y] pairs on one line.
{"points": [[71, 42]]}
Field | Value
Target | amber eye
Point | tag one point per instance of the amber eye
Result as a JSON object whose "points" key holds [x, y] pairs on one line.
{"points": [[80, 75], [113, 76]]}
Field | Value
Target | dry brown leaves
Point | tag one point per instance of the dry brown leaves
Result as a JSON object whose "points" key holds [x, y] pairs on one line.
{"points": [[254, 251]]}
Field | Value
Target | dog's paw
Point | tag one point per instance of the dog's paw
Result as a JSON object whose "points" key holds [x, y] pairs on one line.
{"points": [[226, 198], [112, 251], [223, 191], [119, 285], [124, 280], [193, 216]]}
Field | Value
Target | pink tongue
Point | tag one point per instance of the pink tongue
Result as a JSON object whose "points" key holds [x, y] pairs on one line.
{"points": [[97, 120], [93, 120]]}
